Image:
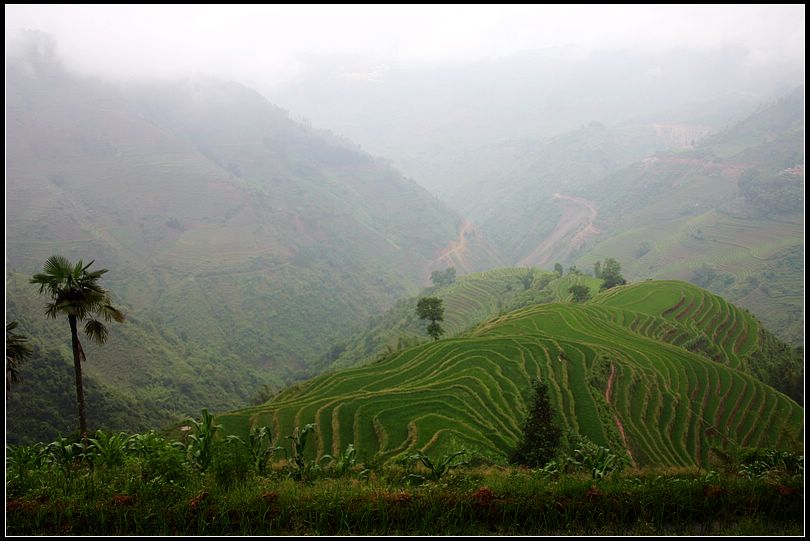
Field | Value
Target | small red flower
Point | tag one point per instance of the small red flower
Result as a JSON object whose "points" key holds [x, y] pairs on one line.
{"points": [[123, 499], [196, 500], [483, 496]]}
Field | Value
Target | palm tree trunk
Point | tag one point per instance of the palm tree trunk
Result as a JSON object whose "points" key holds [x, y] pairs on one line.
{"points": [[74, 335]]}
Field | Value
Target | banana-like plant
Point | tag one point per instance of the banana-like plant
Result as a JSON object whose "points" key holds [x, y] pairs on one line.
{"points": [[299, 442], [22, 463], [259, 446], [106, 448], [344, 462], [201, 443], [597, 460], [63, 452], [442, 466]]}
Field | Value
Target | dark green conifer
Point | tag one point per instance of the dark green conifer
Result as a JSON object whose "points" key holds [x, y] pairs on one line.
{"points": [[541, 433]]}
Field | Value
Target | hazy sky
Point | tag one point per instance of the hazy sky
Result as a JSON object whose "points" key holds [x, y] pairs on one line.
{"points": [[266, 44]]}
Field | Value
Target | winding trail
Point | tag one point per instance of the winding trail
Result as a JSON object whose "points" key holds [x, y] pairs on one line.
{"points": [[576, 222], [608, 393], [457, 253], [456, 250]]}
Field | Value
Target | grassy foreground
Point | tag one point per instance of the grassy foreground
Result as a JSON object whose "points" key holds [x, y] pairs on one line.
{"points": [[146, 485], [474, 503]]}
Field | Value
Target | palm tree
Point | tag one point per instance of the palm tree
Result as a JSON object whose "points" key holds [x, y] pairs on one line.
{"points": [[75, 292], [17, 351]]}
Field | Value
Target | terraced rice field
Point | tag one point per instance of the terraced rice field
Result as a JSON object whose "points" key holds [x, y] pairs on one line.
{"points": [[475, 298], [666, 406], [472, 299], [480, 296], [679, 313], [560, 287]]}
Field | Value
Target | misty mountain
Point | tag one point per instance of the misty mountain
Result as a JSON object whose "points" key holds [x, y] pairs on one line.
{"points": [[239, 242], [515, 188], [548, 152], [431, 120]]}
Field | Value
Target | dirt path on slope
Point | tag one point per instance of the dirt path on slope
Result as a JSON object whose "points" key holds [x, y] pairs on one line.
{"points": [[455, 255], [608, 393], [577, 219]]}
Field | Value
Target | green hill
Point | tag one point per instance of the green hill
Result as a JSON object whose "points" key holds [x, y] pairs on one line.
{"points": [[619, 371], [240, 244], [707, 324]]}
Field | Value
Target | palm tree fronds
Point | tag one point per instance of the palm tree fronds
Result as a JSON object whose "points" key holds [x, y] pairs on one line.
{"points": [[58, 266], [96, 330], [110, 312], [12, 375], [44, 282], [76, 291], [17, 351], [16, 344], [52, 310], [95, 274]]}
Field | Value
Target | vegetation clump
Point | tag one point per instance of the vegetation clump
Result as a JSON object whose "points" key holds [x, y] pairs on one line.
{"points": [[611, 274], [580, 293], [431, 308], [443, 278]]}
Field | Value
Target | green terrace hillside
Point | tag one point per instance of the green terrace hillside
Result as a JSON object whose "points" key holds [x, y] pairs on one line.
{"points": [[727, 215], [707, 324], [619, 371], [470, 300]]}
